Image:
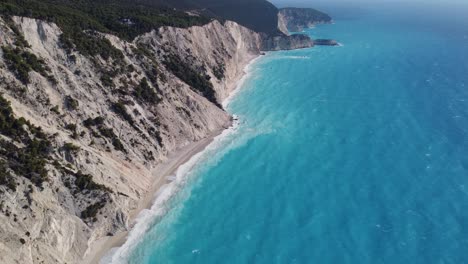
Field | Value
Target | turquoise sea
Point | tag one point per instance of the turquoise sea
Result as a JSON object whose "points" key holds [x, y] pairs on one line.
{"points": [[351, 154]]}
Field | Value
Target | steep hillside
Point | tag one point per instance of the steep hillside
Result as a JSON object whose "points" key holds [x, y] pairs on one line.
{"points": [[81, 134]]}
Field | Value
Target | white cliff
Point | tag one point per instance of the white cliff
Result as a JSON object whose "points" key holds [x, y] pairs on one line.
{"points": [[46, 225]]}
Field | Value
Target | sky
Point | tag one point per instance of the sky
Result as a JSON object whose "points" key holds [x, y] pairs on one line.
{"points": [[450, 9], [454, 4], [334, 2]]}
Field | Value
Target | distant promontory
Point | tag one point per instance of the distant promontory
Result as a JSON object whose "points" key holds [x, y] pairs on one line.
{"points": [[296, 19]]}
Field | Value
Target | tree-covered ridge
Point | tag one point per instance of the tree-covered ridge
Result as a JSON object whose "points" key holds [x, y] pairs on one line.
{"points": [[123, 18], [80, 18], [299, 18], [258, 15]]}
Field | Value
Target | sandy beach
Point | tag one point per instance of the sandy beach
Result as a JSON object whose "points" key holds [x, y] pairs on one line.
{"points": [[160, 174]]}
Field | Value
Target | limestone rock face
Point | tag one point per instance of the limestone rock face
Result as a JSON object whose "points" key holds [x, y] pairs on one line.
{"points": [[283, 24], [50, 224], [212, 47], [284, 42]]}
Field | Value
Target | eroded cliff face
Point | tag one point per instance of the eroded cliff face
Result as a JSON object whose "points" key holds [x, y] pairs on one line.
{"points": [[282, 24], [109, 123], [286, 42]]}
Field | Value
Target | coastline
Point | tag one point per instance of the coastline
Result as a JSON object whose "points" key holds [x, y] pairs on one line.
{"points": [[103, 246]]}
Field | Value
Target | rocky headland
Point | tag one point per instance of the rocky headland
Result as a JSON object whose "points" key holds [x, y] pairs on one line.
{"points": [[297, 19]]}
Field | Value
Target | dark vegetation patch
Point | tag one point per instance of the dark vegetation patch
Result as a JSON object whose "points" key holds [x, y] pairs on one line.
{"points": [[21, 62], [71, 148], [121, 110], [93, 121], [79, 182], [219, 71], [106, 80], [6, 178], [109, 133], [73, 129], [28, 151], [92, 210], [199, 82], [84, 184], [71, 103], [55, 109], [144, 93], [104, 131]]}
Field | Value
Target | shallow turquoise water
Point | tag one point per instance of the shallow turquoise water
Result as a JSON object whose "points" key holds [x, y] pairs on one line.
{"points": [[352, 154]]}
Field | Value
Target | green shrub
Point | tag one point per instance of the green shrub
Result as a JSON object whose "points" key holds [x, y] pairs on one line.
{"points": [[6, 178], [21, 62], [28, 161], [71, 103], [144, 93], [71, 148], [120, 109], [219, 71], [118, 145], [55, 109], [72, 128], [105, 132], [90, 122], [85, 182], [92, 210], [106, 79]]}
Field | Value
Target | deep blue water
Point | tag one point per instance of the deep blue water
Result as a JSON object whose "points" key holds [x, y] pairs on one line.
{"points": [[352, 154]]}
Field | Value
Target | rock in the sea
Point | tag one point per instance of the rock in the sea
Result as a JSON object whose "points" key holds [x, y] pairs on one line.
{"points": [[326, 42], [284, 42]]}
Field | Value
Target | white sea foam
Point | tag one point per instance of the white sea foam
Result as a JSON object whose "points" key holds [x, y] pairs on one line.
{"points": [[240, 83], [146, 217]]}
